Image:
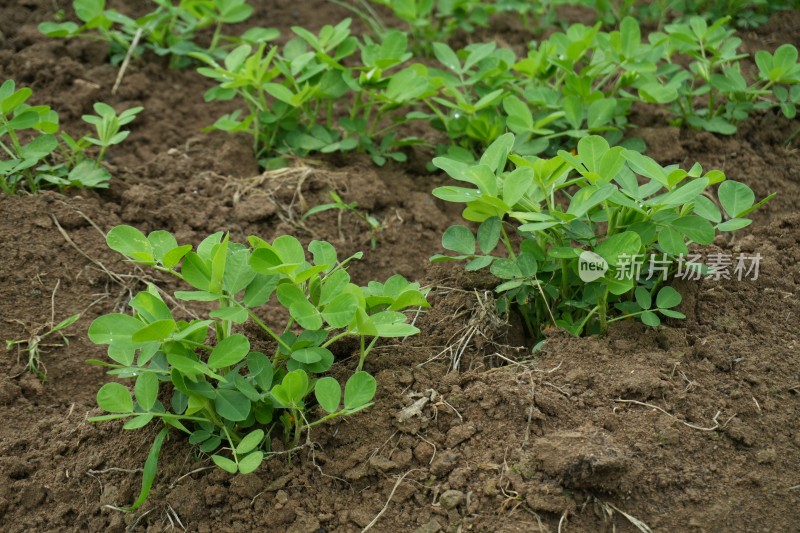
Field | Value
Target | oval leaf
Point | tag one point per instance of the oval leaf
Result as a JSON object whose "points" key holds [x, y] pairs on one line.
{"points": [[229, 352], [115, 398], [359, 390], [328, 393]]}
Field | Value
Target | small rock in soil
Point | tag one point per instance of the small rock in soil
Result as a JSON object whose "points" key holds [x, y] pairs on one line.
{"points": [[444, 463], [381, 463], [459, 477], [423, 452], [451, 499], [362, 517], [304, 524], [459, 434], [766, 456], [431, 527]]}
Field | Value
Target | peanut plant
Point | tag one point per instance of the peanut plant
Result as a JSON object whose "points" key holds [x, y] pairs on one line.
{"points": [[169, 30], [33, 165], [218, 386], [614, 204]]}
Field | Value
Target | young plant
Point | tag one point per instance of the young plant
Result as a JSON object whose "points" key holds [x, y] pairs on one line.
{"points": [[107, 124], [32, 165], [19, 122], [218, 386], [713, 94], [427, 21], [375, 226], [169, 30], [33, 345], [290, 94], [594, 236]]}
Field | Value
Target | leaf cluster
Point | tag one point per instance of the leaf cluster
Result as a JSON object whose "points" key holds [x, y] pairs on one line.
{"points": [[613, 202], [334, 92], [211, 383], [290, 93], [170, 29], [712, 92], [34, 157]]}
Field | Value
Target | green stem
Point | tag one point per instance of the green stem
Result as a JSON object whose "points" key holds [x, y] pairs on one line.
{"points": [[507, 242], [602, 311], [612, 222], [364, 352], [588, 316], [215, 38], [264, 326], [335, 338], [233, 446], [298, 427]]}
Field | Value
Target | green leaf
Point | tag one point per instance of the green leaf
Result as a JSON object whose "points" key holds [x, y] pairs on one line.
{"points": [[279, 92], [238, 273], [196, 271], [229, 351], [114, 328], [520, 119], [359, 390], [643, 298], [225, 464], [244, 386], [707, 209], [324, 253], [250, 442], [651, 319], [261, 369], [668, 297], [130, 242], [292, 389], [218, 262], [174, 256], [735, 197], [237, 314], [309, 355], [138, 422], [682, 195], [115, 398], [149, 471], [489, 234], [251, 462], [232, 405], [646, 166], [459, 239], [260, 289], [157, 331], [626, 243], [496, 154], [302, 311], [672, 242], [150, 306], [161, 243], [671, 314], [697, 229], [341, 311], [328, 393], [516, 185], [146, 390], [15, 99], [734, 224], [447, 56]]}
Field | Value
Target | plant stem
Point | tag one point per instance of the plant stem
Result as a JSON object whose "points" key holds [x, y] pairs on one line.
{"points": [[264, 326], [365, 352]]}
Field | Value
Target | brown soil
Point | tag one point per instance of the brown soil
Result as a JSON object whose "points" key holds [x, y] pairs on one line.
{"points": [[692, 427]]}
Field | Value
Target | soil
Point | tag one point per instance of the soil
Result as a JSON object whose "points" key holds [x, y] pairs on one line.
{"points": [[692, 427]]}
